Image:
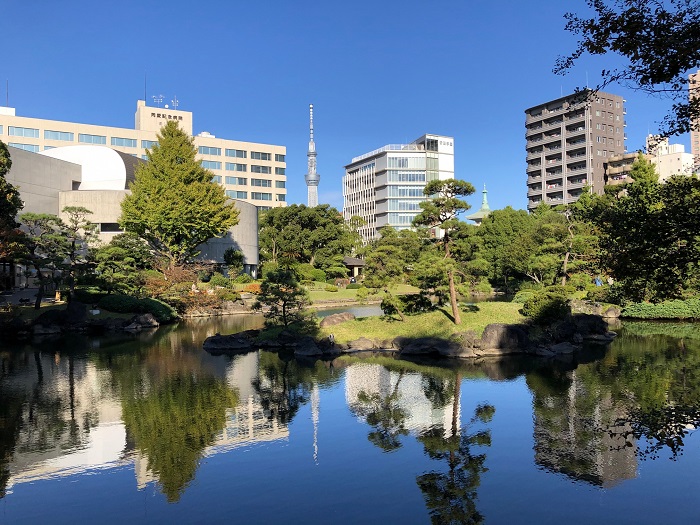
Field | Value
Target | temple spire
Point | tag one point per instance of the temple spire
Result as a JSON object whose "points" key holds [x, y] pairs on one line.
{"points": [[312, 178]]}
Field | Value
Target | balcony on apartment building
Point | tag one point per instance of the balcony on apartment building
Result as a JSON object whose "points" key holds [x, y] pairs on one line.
{"points": [[576, 182], [574, 131], [534, 190], [534, 154], [533, 130], [534, 168]]}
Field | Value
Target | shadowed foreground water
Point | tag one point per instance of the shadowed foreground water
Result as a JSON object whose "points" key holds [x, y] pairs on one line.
{"points": [[151, 429]]}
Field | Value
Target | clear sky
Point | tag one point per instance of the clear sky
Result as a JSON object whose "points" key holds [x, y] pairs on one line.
{"points": [[378, 72]]}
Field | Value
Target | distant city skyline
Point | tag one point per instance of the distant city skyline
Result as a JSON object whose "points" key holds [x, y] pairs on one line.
{"points": [[458, 69]]}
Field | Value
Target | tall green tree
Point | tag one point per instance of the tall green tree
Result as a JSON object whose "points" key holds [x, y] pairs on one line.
{"points": [[659, 42], [11, 239], [282, 298], [174, 205], [46, 248], [299, 234], [82, 236], [440, 211]]}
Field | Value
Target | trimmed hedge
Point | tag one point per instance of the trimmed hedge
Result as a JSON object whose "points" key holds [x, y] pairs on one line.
{"points": [[88, 295], [353, 286], [126, 304], [331, 288], [220, 280], [678, 309], [547, 305]]}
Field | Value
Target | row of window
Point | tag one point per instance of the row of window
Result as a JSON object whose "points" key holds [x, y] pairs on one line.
{"points": [[243, 181], [406, 176], [416, 163], [405, 191], [610, 128], [232, 166], [258, 196], [240, 154]]}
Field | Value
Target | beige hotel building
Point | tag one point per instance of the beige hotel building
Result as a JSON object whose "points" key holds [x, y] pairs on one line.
{"points": [[249, 171]]}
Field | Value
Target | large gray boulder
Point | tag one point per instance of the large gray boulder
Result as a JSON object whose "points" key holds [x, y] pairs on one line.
{"points": [[362, 344], [239, 343], [307, 347], [335, 319], [508, 338], [426, 346]]}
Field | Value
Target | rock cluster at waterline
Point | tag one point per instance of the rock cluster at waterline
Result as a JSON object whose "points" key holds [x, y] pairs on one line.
{"points": [[562, 337]]}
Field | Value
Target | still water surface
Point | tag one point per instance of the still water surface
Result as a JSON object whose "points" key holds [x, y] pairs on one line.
{"points": [[151, 429]]}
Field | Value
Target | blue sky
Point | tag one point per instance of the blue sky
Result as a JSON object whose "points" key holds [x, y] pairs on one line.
{"points": [[377, 72]]}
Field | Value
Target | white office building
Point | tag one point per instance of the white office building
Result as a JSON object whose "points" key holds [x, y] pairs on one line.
{"points": [[385, 186]]}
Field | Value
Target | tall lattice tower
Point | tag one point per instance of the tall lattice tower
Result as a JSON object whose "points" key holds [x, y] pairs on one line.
{"points": [[312, 178]]}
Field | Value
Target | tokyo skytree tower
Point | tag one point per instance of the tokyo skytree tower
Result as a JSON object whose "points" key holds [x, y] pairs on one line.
{"points": [[312, 178]]}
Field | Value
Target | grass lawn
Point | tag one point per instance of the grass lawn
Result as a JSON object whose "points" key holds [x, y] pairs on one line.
{"points": [[345, 294], [433, 324]]}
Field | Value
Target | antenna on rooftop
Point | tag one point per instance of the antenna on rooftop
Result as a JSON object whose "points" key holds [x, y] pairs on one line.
{"points": [[175, 102], [158, 99]]}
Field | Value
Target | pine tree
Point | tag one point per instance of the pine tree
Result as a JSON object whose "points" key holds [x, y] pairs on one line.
{"points": [[11, 239], [174, 205]]}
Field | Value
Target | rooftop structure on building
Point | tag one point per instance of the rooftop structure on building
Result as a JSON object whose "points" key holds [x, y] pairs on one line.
{"points": [[385, 186], [312, 178], [249, 171], [668, 160], [483, 212], [568, 140]]}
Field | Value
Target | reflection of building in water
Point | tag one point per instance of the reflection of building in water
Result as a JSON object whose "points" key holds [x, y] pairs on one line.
{"points": [[568, 438], [410, 396], [73, 421]]}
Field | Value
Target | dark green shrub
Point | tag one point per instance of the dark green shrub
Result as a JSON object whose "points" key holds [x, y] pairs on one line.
{"points": [[331, 281], [353, 286], [678, 309], [331, 288], [219, 280], [318, 275], [204, 276], [547, 305], [123, 304], [244, 278], [415, 303], [523, 295], [90, 295], [126, 304], [227, 295], [163, 312]]}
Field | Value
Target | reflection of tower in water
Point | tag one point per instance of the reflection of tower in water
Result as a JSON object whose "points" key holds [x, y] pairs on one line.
{"points": [[568, 435], [315, 402]]}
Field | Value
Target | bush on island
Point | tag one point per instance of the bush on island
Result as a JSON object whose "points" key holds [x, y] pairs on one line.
{"points": [[244, 278], [677, 309], [127, 304], [353, 286], [218, 279], [331, 288], [549, 304]]}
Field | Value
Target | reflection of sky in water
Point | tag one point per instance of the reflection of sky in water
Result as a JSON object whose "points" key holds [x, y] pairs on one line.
{"points": [[321, 466]]}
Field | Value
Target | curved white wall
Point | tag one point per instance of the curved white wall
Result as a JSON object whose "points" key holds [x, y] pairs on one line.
{"points": [[103, 168]]}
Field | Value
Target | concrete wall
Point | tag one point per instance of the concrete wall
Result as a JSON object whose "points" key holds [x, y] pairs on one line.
{"points": [[105, 206], [40, 180]]}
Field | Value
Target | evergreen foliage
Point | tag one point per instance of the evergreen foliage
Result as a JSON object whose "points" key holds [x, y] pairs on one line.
{"points": [[11, 238], [174, 205], [281, 298]]}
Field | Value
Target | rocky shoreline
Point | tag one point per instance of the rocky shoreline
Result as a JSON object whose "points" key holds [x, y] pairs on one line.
{"points": [[565, 336]]}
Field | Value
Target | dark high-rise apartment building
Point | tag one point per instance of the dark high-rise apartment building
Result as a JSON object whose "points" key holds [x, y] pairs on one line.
{"points": [[568, 141]]}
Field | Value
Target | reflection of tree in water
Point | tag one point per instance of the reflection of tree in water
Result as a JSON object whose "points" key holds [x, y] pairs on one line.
{"points": [[384, 414], [173, 421], [451, 496]]}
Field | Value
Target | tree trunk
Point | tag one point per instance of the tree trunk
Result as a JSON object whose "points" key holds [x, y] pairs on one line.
{"points": [[453, 298], [563, 270]]}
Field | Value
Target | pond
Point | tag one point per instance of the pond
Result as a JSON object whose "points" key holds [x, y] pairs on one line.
{"points": [[149, 428]]}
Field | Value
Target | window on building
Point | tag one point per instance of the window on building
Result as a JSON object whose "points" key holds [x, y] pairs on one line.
{"points": [[209, 150], [617, 104], [216, 178], [239, 153], [597, 113], [0, 130], [26, 147], [260, 169], [239, 181], [211, 164], [23, 132], [279, 157], [405, 191], [110, 227], [235, 194], [148, 144], [597, 126], [92, 139], [261, 196], [281, 197], [263, 208], [46, 148], [144, 157], [431, 144], [280, 184], [279, 171], [231, 166], [406, 176], [259, 155], [406, 162], [58, 135], [124, 143], [264, 183]]}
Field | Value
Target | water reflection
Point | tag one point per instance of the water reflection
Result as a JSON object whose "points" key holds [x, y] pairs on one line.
{"points": [[157, 404]]}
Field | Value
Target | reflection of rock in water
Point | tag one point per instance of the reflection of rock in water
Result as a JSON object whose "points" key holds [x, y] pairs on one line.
{"points": [[364, 379], [568, 437]]}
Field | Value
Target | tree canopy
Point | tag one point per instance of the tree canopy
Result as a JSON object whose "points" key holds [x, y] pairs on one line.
{"points": [[174, 205], [660, 43], [10, 205]]}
